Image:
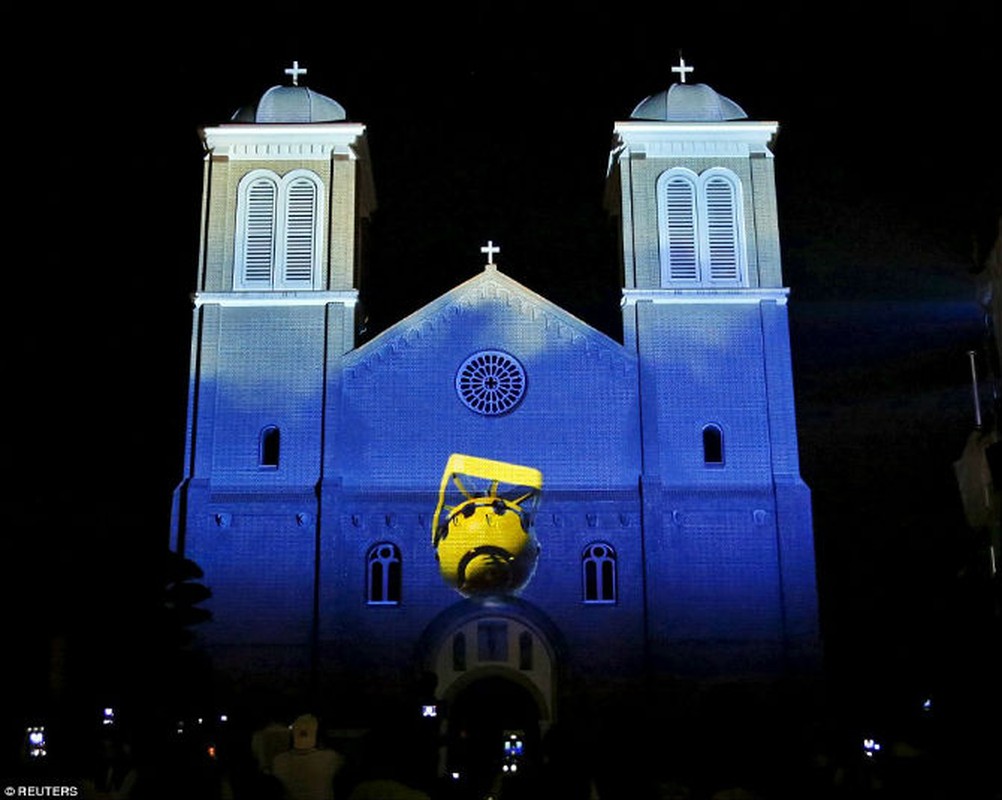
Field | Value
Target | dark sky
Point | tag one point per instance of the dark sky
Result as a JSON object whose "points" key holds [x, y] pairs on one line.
{"points": [[497, 124]]}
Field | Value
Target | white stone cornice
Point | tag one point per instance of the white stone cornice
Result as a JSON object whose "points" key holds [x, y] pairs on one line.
{"points": [[711, 139], [277, 142], [348, 297], [705, 296]]}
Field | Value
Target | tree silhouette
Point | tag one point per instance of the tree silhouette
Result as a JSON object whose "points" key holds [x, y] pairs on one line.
{"points": [[182, 594]]}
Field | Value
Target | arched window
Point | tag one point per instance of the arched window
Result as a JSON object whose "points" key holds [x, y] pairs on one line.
{"points": [[525, 650], [459, 652], [300, 232], [598, 571], [268, 446], [719, 216], [279, 231], [679, 239], [700, 228], [256, 250], [713, 444], [492, 640], [384, 577]]}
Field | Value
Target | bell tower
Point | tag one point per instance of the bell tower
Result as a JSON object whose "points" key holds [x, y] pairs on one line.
{"points": [[287, 190], [727, 518]]}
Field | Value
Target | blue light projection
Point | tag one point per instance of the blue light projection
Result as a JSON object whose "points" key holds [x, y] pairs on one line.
{"points": [[721, 546], [674, 451]]}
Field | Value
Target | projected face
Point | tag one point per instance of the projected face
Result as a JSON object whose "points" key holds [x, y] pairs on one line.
{"points": [[482, 528]]}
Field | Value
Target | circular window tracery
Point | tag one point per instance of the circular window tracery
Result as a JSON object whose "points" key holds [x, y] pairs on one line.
{"points": [[490, 382]]}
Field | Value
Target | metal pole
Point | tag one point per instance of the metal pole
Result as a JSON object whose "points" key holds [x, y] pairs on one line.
{"points": [[974, 383]]}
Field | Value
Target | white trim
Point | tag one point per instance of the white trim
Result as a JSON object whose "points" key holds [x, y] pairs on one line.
{"points": [[278, 142], [746, 131], [743, 127], [348, 297], [705, 295], [693, 139]]}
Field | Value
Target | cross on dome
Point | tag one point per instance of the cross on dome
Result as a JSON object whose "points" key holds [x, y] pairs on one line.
{"points": [[295, 71], [681, 69], [490, 249]]}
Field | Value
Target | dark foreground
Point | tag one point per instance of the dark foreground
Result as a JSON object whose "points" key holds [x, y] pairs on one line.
{"points": [[733, 749]]}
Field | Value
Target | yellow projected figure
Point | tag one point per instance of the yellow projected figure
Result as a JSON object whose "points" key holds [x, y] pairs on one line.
{"points": [[482, 528]]}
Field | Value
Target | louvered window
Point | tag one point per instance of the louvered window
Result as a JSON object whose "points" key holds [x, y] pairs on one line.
{"points": [[680, 229], [699, 228], [278, 231], [721, 226], [259, 239], [300, 228]]}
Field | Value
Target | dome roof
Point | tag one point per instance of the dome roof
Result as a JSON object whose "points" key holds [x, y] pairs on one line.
{"points": [[688, 102], [295, 104]]}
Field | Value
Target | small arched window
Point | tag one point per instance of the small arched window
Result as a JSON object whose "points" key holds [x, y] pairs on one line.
{"points": [[384, 575], [269, 446], [713, 444], [598, 568]]}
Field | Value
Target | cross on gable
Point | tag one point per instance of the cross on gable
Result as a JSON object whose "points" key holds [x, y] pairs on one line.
{"points": [[490, 249], [681, 69], [295, 71]]}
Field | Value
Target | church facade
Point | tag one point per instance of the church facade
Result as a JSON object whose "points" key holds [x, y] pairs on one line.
{"points": [[674, 529]]}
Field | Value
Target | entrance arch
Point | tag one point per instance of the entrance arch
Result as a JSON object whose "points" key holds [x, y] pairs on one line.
{"points": [[496, 661], [484, 713], [498, 636]]}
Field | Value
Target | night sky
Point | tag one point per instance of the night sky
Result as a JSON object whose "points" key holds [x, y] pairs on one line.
{"points": [[497, 125]]}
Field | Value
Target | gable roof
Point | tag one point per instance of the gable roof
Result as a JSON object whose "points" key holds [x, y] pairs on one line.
{"points": [[489, 285]]}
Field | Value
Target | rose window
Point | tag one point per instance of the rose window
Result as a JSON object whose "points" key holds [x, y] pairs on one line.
{"points": [[490, 382]]}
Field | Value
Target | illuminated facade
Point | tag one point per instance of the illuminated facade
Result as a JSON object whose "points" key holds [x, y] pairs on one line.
{"points": [[675, 530]]}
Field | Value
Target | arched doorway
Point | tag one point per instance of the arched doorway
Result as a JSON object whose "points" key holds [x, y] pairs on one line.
{"points": [[493, 734], [495, 663]]}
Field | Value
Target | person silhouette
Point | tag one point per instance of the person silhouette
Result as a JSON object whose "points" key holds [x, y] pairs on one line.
{"points": [[307, 771]]}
